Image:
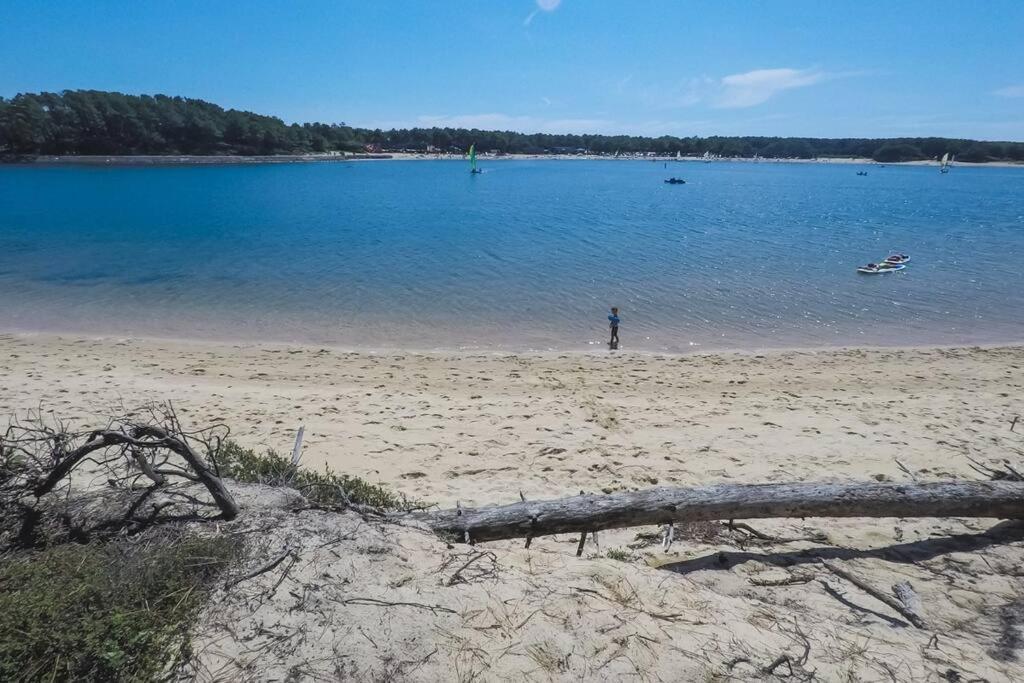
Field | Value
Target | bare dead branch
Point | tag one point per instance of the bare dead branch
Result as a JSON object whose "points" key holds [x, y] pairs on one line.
{"points": [[385, 603], [456, 577], [262, 569], [40, 456], [882, 597]]}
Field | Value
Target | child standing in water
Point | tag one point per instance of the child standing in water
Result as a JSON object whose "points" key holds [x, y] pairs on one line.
{"points": [[613, 323]]}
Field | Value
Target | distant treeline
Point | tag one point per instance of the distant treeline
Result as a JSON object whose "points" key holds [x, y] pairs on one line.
{"points": [[96, 122]]}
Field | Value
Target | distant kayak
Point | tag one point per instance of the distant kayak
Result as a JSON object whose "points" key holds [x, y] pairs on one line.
{"points": [[897, 258], [875, 269], [675, 181]]}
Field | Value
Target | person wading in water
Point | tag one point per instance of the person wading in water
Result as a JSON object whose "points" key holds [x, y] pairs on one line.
{"points": [[613, 323]]}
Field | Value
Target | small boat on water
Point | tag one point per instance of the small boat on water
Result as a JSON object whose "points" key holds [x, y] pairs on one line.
{"points": [[897, 259], [675, 181], [862, 172], [879, 268], [944, 165]]}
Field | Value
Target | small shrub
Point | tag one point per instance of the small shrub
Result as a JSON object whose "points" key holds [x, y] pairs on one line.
{"points": [[619, 554], [115, 611], [326, 488]]}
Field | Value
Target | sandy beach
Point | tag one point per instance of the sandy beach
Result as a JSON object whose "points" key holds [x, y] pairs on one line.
{"points": [[480, 429]]}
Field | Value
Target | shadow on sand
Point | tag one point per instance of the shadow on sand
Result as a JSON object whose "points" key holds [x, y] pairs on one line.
{"points": [[1005, 532]]}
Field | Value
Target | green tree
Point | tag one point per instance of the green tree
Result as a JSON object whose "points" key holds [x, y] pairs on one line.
{"points": [[976, 153], [897, 152], [96, 122]]}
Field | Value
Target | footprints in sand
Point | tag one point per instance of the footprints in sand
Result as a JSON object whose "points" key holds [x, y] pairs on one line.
{"points": [[445, 427], [605, 415]]}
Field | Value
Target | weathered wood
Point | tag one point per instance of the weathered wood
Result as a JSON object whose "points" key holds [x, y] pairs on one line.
{"points": [[665, 505], [297, 449], [579, 546], [899, 607], [143, 437], [906, 594]]}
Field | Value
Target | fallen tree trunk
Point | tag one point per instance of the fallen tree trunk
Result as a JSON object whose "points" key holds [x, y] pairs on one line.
{"points": [[664, 505]]}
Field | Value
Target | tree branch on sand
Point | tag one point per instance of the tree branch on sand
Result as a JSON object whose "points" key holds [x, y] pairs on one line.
{"points": [[145, 456]]}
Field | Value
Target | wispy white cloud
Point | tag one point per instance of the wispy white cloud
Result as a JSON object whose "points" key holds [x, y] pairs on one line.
{"points": [[542, 6], [758, 86], [736, 91], [1010, 91]]}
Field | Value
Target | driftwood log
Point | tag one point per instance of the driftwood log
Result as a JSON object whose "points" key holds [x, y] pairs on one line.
{"points": [[665, 505]]}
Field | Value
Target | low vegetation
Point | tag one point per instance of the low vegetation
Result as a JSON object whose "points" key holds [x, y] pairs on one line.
{"points": [[619, 554], [103, 583], [112, 611], [323, 488]]}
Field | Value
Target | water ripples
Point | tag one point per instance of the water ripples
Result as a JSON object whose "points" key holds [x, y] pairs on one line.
{"points": [[526, 255]]}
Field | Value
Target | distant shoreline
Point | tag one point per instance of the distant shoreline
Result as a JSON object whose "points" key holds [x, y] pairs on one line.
{"points": [[182, 159], [212, 160]]}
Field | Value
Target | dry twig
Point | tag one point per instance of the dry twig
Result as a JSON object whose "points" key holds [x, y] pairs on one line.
{"points": [[457, 576], [888, 600], [262, 569]]}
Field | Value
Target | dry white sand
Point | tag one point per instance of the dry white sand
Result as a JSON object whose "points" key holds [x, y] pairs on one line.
{"points": [[481, 428]]}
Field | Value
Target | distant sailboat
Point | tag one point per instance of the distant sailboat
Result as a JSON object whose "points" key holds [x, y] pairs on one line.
{"points": [[472, 160], [707, 157], [679, 156], [944, 167]]}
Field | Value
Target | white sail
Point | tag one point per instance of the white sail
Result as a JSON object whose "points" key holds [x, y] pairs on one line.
{"points": [[945, 159]]}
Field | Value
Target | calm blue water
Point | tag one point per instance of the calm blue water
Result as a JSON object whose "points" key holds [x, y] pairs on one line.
{"points": [[528, 255]]}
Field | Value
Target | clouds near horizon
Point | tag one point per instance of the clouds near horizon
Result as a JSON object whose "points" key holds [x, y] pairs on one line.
{"points": [[738, 91], [498, 121]]}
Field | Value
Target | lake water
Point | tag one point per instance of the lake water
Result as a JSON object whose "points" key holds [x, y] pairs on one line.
{"points": [[527, 255]]}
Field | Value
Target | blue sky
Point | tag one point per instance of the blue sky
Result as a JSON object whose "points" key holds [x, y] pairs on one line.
{"points": [[789, 67]]}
